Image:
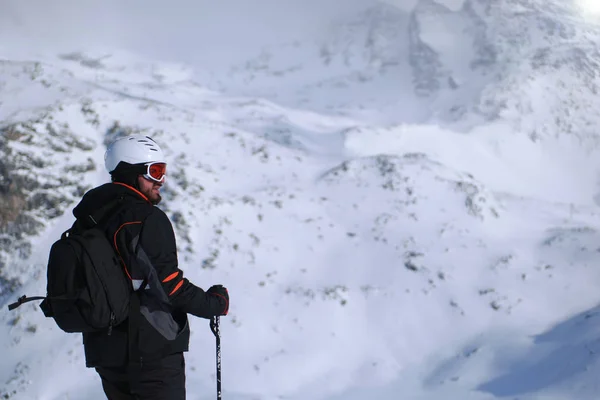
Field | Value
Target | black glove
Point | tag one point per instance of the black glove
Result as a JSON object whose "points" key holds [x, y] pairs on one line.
{"points": [[221, 293]]}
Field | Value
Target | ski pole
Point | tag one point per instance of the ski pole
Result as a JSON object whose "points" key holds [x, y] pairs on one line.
{"points": [[214, 326]]}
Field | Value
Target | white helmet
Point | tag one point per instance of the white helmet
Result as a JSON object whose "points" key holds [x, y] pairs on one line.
{"points": [[134, 149]]}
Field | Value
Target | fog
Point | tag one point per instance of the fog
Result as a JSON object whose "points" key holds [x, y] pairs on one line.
{"points": [[195, 31]]}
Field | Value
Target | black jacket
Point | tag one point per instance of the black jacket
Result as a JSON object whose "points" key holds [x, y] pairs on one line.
{"points": [[144, 239]]}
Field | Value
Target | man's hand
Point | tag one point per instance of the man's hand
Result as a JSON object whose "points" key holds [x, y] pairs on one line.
{"points": [[221, 293]]}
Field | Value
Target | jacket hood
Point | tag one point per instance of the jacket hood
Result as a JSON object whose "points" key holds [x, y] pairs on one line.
{"points": [[98, 197]]}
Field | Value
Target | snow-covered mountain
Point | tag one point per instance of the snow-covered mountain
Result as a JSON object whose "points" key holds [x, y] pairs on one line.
{"points": [[401, 201]]}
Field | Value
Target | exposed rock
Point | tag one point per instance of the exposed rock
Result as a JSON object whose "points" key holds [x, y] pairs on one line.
{"points": [[41, 172]]}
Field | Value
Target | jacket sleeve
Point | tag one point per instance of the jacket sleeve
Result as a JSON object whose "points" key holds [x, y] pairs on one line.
{"points": [[157, 240]]}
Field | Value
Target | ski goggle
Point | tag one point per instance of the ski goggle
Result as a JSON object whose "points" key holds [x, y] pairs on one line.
{"points": [[156, 171]]}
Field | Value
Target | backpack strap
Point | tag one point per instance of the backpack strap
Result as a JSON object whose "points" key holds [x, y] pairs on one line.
{"points": [[45, 305], [23, 299]]}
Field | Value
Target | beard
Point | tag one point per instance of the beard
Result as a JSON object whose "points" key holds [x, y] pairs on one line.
{"points": [[150, 189], [153, 195], [155, 198]]}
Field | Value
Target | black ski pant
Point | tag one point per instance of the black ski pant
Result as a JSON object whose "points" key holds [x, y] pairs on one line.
{"points": [[157, 380]]}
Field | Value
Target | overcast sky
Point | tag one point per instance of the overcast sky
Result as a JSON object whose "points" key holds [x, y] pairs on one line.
{"points": [[206, 32], [178, 29]]}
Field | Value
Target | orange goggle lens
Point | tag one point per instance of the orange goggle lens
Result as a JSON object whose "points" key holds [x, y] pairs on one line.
{"points": [[156, 171]]}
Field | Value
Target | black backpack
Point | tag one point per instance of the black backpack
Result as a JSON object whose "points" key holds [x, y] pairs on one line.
{"points": [[87, 288]]}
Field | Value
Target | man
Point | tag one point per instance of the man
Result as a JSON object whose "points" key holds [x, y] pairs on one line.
{"points": [[142, 358]]}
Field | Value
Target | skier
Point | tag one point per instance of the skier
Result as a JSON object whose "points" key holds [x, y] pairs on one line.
{"points": [[142, 358]]}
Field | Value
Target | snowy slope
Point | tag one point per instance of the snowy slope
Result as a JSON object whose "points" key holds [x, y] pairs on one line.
{"points": [[402, 206]]}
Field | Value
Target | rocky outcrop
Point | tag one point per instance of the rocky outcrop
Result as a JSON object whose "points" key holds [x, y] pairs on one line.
{"points": [[42, 163]]}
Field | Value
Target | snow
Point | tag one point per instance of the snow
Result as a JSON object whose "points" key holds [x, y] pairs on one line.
{"points": [[402, 200]]}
